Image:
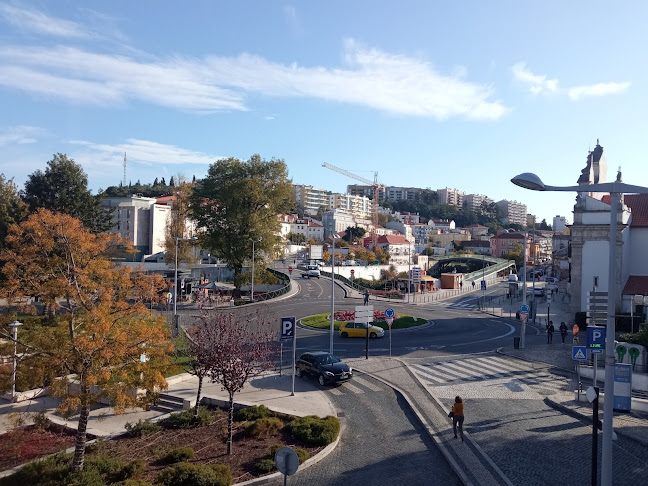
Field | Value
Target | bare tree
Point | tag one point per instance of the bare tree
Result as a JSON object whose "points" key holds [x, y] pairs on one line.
{"points": [[195, 344], [241, 345]]}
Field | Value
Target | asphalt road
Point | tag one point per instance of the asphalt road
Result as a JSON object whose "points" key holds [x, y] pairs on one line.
{"points": [[382, 444]]}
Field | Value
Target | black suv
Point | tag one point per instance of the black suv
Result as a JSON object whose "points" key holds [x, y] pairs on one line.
{"points": [[326, 367]]}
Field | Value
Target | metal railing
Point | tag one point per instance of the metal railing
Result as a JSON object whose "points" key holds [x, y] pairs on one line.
{"points": [[273, 294], [362, 289]]}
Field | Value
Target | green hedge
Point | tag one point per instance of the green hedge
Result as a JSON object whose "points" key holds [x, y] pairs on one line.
{"points": [[185, 474], [316, 430]]}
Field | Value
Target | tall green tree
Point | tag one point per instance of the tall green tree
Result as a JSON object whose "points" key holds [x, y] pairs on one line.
{"points": [[12, 209], [178, 225], [237, 202], [63, 188]]}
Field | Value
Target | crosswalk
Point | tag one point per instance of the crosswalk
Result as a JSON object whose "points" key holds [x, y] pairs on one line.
{"points": [[509, 374], [357, 385]]}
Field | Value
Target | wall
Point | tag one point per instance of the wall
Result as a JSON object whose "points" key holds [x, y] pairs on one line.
{"points": [[595, 254]]}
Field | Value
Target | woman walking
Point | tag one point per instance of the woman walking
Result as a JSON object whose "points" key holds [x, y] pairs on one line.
{"points": [[458, 416]]}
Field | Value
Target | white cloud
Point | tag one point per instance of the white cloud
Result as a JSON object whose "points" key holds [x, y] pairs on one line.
{"points": [[141, 151], [599, 89], [535, 83], [19, 135], [41, 23], [370, 77]]}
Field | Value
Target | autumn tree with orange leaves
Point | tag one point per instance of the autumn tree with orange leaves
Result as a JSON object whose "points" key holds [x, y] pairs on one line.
{"points": [[104, 342]]}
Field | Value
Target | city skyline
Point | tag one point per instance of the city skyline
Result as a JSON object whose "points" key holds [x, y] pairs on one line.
{"points": [[426, 95]]}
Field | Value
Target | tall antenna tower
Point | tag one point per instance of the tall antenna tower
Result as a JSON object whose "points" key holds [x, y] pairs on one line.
{"points": [[124, 183]]}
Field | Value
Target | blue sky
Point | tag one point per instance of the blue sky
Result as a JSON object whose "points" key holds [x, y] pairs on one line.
{"points": [[429, 94]]}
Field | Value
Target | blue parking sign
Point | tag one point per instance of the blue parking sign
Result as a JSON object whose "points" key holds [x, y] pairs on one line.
{"points": [[287, 328], [596, 337]]}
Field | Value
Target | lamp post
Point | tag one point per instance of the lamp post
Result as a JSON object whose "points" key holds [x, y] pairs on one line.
{"points": [[252, 287], [524, 291], [616, 189], [175, 282], [409, 270], [14, 326], [332, 290]]}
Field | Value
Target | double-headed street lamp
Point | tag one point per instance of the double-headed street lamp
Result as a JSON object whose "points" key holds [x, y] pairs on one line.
{"points": [[616, 189], [175, 283], [252, 286], [14, 326]]}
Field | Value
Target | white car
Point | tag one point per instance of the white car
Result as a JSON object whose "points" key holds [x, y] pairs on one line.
{"points": [[312, 271]]}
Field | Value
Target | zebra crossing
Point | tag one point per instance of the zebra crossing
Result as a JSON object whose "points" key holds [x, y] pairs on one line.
{"points": [[465, 304], [365, 386], [496, 376]]}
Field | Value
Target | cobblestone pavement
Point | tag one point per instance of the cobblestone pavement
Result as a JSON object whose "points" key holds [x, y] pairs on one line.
{"points": [[382, 443]]}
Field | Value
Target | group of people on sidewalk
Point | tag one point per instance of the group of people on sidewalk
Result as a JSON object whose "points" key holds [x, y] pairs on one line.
{"points": [[551, 329]]}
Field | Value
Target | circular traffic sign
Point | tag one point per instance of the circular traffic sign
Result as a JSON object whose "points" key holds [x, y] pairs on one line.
{"points": [[290, 269], [524, 309], [352, 271], [287, 461], [389, 312]]}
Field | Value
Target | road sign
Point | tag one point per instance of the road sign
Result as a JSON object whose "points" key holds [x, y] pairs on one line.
{"points": [[483, 284], [622, 387], [289, 269], [523, 317], [363, 313], [524, 309], [352, 271], [287, 328], [286, 461], [389, 320], [596, 338], [579, 353], [389, 312]]}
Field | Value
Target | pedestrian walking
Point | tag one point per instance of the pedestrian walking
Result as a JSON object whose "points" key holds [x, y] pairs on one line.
{"points": [[563, 331], [550, 331], [473, 284], [366, 297], [457, 414], [461, 285]]}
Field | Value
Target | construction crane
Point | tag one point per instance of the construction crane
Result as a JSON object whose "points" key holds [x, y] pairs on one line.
{"points": [[376, 187]]}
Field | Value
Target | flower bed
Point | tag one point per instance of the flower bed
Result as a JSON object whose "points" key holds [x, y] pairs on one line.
{"points": [[349, 315]]}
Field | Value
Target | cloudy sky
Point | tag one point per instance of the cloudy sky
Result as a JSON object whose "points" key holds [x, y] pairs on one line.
{"points": [[426, 93]]}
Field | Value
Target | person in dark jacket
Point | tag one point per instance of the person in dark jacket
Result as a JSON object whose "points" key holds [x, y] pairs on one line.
{"points": [[563, 331], [550, 331]]}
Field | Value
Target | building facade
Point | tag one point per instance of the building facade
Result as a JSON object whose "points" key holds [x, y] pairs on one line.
{"points": [[311, 198], [513, 212], [453, 197], [473, 202]]}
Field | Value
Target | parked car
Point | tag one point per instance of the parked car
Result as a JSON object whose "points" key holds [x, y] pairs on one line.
{"points": [[538, 291], [358, 329], [551, 280], [323, 366], [349, 263]]}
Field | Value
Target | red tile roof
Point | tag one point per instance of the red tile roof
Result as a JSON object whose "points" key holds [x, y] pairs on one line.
{"points": [[392, 240], [636, 285], [638, 204]]}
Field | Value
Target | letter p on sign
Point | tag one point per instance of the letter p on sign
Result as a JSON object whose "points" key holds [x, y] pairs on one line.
{"points": [[287, 327]]}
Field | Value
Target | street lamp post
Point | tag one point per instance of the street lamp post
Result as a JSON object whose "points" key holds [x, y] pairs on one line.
{"points": [[252, 286], [524, 291], [14, 326], [175, 283], [332, 290], [409, 271], [616, 189]]}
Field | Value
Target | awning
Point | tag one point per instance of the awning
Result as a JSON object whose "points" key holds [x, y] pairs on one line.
{"points": [[217, 286], [636, 285]]}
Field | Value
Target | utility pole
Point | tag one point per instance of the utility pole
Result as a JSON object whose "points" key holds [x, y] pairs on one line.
{"points": [[332, 289]]}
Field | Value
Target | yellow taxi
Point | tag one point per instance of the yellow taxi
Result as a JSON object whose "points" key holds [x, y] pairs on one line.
{"points": [[358, 329]]}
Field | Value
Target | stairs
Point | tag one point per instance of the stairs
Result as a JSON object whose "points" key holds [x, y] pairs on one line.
{"points": [[168, 403]]}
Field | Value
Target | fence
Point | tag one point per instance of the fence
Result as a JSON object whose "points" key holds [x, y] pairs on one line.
{"points": [[273, 293]]}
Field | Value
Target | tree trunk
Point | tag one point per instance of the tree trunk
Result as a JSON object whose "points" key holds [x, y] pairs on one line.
{"points": [[200, 382], [80, 442], [230, 423]]}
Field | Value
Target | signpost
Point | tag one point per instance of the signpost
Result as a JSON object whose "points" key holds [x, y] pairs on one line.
{"points": [[290, 270], [352, 272], [287, 462], [579, 353], [389, 318], [622, 387], [364, 314], [288, 332], [596, 344]]}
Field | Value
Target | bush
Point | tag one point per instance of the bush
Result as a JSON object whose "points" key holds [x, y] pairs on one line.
{"points": [[275, 448], [186, 420], [254, 412], [640, 337], [303, 454], [141, 428], [134, 469], [265, 465], [179, 455], [134, 482], [50, 471], [264, 427], [316, 430], [185, 474]]}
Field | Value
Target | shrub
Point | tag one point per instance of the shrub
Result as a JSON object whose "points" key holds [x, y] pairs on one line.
{"points": [[50, 471], [265, 465], [134, 482], [112, 469], [179, 455], [254, 412], [264, 427], [303, 454], [316, 430], [186, 420], [185, 474], [134, 469], [640, 337], [141, 428], [275, 448]]}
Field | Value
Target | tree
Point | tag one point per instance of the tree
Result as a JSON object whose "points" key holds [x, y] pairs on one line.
{"points": [[241, 345], [544, 225], [178, 224], [353, 232], [239, 201], [63, 188], [172, 182], [296, 238], [12, 209], [194, 344], [105, 342]]}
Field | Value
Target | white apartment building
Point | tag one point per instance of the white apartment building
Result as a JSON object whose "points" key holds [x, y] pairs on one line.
{"points": [[336, 220], [310, 228], [358, 206], [311, 198], [513, 212], [391, 193], [453, 197], [559, 223], [473, 202], [404, 229]]}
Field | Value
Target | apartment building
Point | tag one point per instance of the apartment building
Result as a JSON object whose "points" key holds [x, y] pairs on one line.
{"points": [[311, 198], [336, 220], [513, 212], [559, 223], [358, 206], [473, 202], [310, 228], [453, 197], [363, 190], [391, 193]]}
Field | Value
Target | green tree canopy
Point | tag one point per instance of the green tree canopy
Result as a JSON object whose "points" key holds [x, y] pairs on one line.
{"points": [[12, 209], [63, 188], [239, 201]]}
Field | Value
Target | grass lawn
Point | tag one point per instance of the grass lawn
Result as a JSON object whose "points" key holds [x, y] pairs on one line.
{"points": [[177, 366], [322, 321]]}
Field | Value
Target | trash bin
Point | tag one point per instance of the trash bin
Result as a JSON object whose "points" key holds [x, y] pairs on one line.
{"points": [[516, 342], [232, 303]]}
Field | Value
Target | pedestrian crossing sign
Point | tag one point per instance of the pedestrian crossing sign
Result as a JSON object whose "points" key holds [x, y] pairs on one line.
{"points": [[579, 353]]}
